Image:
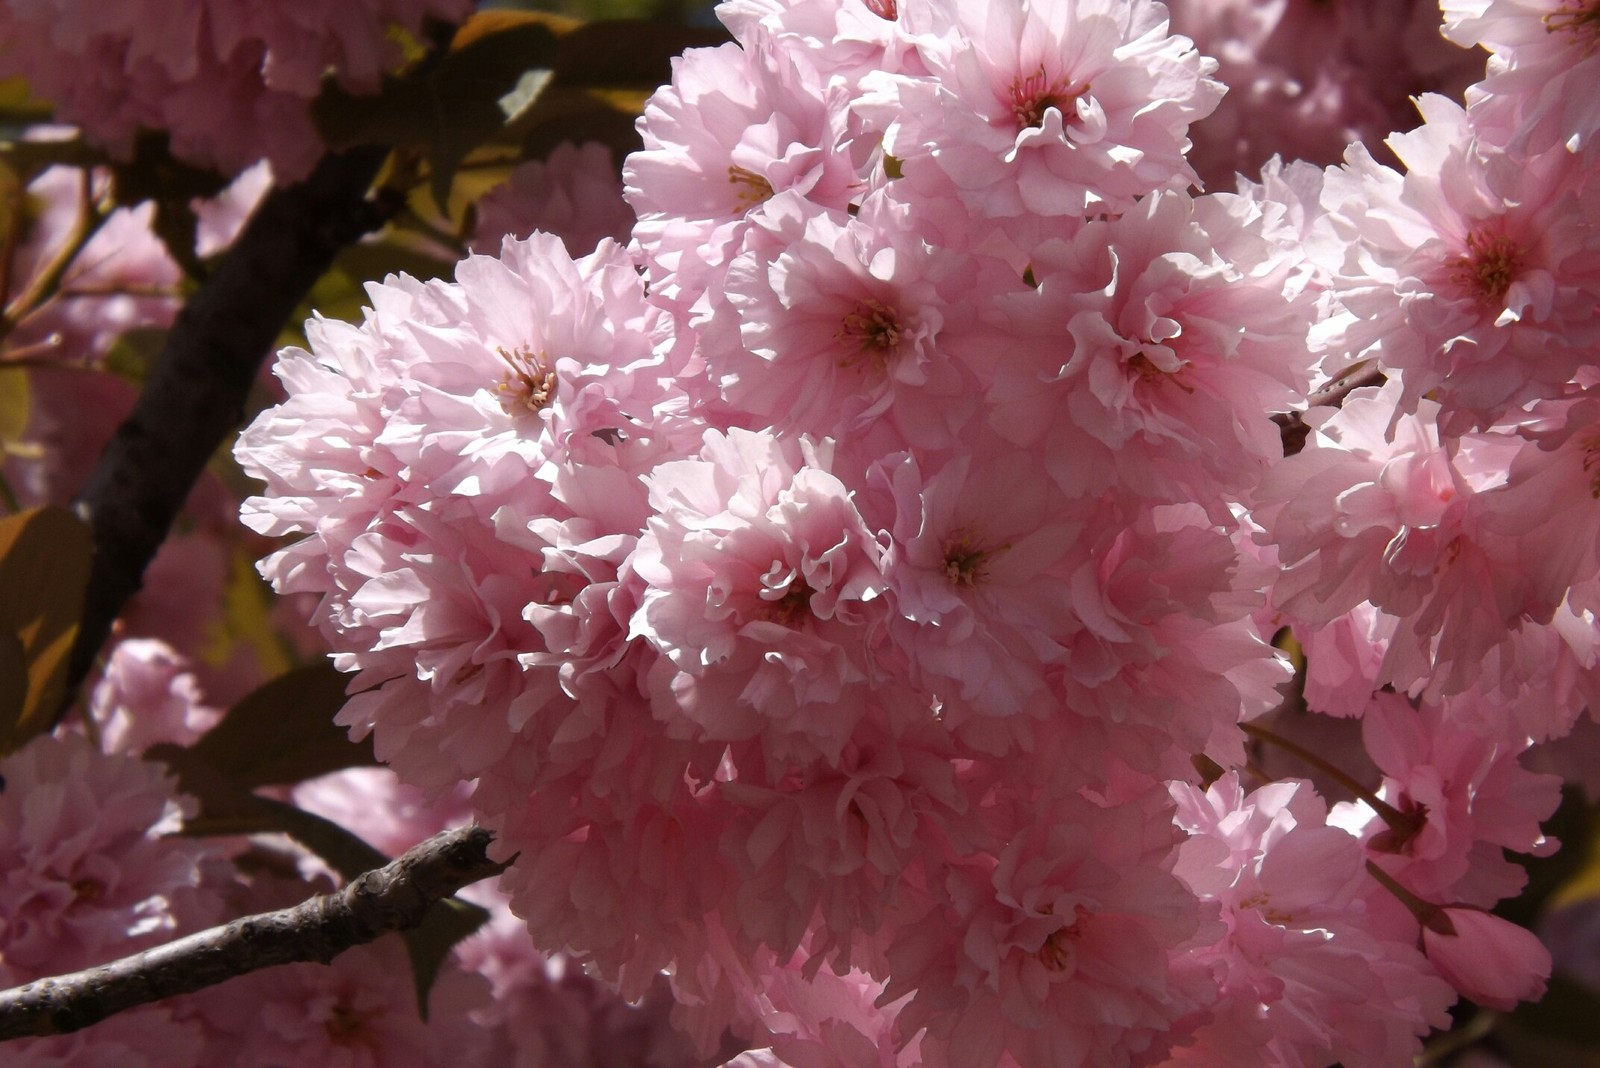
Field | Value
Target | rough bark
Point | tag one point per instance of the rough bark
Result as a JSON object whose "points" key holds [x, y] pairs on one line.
{"points": [[392, 898]]}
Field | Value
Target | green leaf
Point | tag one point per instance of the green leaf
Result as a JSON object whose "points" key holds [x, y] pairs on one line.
{"points": [[27, 159], [13, 677], [44, 569], [18, 106], [449, 107], [283, 732], [15, 406], [627, 53], [346, 852], [429, 943], [579, 115], [247, 606]]}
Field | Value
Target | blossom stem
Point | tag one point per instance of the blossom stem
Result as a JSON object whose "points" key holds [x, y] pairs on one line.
{"points": [[1424, 911], [1396, 819]]}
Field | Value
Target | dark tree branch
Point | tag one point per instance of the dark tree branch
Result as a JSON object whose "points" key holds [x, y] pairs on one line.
{"points": [[392, 898], [195, 396]]}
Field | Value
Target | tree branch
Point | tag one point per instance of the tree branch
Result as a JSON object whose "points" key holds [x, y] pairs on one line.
{"points": [[196, 394], [392, 898]]}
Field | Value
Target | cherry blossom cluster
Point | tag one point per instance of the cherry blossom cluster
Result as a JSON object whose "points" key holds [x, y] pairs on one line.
{"points": [[229, 81], [1305, 78], [95, 870], [862, 598]]}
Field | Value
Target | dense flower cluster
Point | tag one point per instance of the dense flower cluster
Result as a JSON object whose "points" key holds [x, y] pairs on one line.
{"points": [[228, 80], [1305, 78], [835, 617]]}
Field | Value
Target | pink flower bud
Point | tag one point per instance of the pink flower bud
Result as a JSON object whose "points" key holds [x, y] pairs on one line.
{"points": [[1489, 960]]}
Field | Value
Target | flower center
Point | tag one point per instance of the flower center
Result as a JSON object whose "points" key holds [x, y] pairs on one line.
{"points": [[1034, 94], [1591, 465], [1147, 371], [1056, 953], [884, 9], [1489, 266], [964, 562], [345, 1024], [790, 606], [750, 188], [531, 385], [1581, 18], [873, 331], [1401, 834], [1262, 904], [87, 891]]}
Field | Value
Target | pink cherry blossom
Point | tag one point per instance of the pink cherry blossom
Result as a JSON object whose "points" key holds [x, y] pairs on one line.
{"points": [[1305, 80], [90, 871], [148, 694], [1492, 961], [1464, 798], [575, 193], [1131, 332], [1457, 274], [223, 78], [1291, 889], [1035, 950], [1059, 108], [842, 334], [764, 590], [1543, 61], [731, 130]]}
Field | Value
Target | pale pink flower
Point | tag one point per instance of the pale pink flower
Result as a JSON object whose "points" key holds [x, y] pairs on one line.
{"points": [[1344, 660], [1375, 509], [123, 278], [1539, 93], [1033, 951], [1133, 332], [148, 694], [1305, 80], [89, 870], [844, 40], [574, 193], [145, 1037], [230, 82], [1464, 275], [1164, 647], [821, 850], [399, 445], [1465, 798], [732, 129], [359, 1011], [1067, 107], [840, 334], [829, 1017], [1299, 946], [981, 549], [763, 592], [1489, 960]]}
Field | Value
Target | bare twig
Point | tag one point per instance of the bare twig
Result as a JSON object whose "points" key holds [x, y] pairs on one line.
{"points": [[48, 279], [392, 898]]}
